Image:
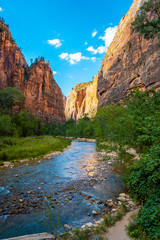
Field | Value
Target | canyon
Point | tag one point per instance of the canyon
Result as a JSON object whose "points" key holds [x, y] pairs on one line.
{"points": [[130, 61], [43, 97]]}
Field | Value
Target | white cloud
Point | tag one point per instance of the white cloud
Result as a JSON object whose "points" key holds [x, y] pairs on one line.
{"points": [[100, 49], [54, 72], [93, 59], [74, 58], [55, 42], [108, 35], [107, 38], [86, 43], [64, 56], [94, 33], [1, 9]]}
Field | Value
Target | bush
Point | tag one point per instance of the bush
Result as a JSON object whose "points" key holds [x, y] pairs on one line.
{"points": [[11, 99], [28, 124], [7, 127], [144, 175]]}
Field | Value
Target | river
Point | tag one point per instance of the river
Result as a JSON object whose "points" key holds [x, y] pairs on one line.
{"points": [[67, 188]]}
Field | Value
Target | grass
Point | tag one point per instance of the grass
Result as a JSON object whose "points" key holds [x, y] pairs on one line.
{"points": [[133, 230], [30, 147], [107, 146], [98, 231]]}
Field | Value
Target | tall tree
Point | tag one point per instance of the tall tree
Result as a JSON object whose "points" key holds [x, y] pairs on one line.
{"points": [[10, 98]]}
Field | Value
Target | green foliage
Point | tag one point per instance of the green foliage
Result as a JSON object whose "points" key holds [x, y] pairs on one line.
{"points": [[28, 125], [134, 230], [11, 98], [149, 215], [81, 234], [7, 127], [30, 147], [144, 176], [83, 128], [51, 216], [147, 23]]}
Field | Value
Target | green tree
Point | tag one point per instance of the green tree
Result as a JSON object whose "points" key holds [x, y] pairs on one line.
{"points": [[7, 127], [28, 125], [147, 23], [11, 98]]}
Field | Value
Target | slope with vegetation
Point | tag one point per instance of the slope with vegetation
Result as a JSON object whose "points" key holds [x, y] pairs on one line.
{"points": [[21, 133]]}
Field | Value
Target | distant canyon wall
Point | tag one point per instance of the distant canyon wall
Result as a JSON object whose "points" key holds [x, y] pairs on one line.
{"points": [[43, 96], [82, 100]]}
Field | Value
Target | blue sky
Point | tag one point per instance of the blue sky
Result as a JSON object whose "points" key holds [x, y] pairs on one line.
{"points": [[72, 35]]}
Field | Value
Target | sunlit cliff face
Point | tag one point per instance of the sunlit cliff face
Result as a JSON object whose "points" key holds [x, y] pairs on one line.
{"points": [[82, 100], [130, 60], [43, 96]]}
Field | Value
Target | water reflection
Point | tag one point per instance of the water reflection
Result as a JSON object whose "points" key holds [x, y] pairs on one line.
{"points": [[67, 180]]}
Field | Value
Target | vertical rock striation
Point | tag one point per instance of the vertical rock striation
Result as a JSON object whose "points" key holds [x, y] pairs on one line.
{"points": [[130, 60], [43, 96], [82, 100]]}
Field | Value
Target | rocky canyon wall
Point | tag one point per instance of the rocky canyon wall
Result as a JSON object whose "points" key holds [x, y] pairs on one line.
{"points": [[82, 100], [43, 96], [130, 60]]}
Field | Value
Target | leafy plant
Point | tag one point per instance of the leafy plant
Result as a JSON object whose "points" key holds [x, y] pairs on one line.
{"points": [[147, 23]]}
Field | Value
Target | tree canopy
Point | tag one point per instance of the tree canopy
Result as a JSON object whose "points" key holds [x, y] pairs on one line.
{"points": [[10, 98], [147, 23]]}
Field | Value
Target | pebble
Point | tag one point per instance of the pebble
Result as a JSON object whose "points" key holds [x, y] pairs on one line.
{"points": [[131, 203], [95, 212], [16, 175], [67, 226], [114, 210], [83, 226], [110, 204], [89, 224], [121, 198], [122, 195]]}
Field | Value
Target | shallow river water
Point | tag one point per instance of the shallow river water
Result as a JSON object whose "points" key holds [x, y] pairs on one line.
{"points": [[67, 188]]}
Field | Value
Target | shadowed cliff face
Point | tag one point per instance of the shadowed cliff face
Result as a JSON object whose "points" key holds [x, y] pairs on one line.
{"points": [[130, 60], [43, 96], [82, 100]]}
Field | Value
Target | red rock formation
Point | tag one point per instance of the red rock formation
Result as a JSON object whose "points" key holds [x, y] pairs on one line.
{"points": [[129, 61], [43, 96]]}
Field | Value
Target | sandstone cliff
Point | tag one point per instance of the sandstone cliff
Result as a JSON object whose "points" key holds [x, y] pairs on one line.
{"points": [[43, 96], [130, 60], [82, 100]]}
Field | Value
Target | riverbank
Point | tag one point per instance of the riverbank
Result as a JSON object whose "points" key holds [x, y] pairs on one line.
{"points": [[115, 219], [23, 149], [77, 182]]}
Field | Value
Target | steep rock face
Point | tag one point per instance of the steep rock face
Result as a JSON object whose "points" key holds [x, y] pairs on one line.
{"points": [[130, 60], [12, 62], [43, 96], [82, 100]]}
